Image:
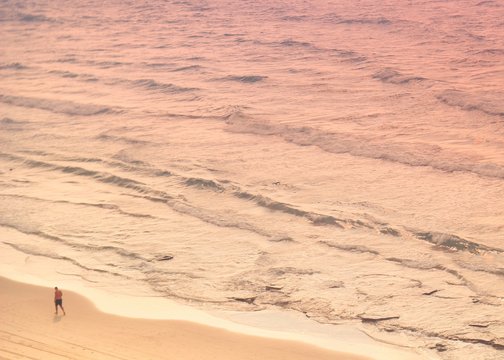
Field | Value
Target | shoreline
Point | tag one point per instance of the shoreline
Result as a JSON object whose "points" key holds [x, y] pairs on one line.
{"points": [[30, 329], [347, 345]]}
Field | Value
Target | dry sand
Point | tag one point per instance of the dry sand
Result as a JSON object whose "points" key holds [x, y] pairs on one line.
{"points": [[29, 329]]}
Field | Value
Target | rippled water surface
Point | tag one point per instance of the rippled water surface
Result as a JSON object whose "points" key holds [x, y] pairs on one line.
{"points": [[344, 159]]}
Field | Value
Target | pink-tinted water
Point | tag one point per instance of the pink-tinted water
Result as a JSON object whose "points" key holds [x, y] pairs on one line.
{"points": [[342, 159]]}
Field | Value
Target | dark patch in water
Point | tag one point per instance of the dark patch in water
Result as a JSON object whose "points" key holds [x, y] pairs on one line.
{"points": [[34, 18], [56, 106], [126, 140], [374, 319], [13, 66], [163, 173], [203, 183], [272, 288], [491, 52], [188, 68], [390, 231], [488, 3], [65, 74], [270, 204], [249, 300], [8, 121], [392, 76], [154, 85], [367, 21], [292, 43], [324, 220], [431, 292], [295, 18], [336, 19], [287, 239], [247, 79], [350, 248]]}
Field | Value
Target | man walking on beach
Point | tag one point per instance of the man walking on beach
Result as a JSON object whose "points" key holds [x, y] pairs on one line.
{"points": [[58, 300]]}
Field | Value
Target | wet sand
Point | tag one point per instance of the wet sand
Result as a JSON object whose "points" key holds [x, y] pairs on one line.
{"points": [[30, 330]]}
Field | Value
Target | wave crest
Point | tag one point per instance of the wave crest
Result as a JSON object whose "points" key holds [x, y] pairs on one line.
{"points": [[339, 143], [490, 105], [246, 79], [337, 19], [13, 66], [389, 75], [453, 242], [150, 84], [56, 106]]}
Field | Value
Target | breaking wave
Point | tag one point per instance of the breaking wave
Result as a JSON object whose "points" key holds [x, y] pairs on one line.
{"points": [[13, 66], [111, 207], [453, 242], [339, 143], [147, 84], [150, 84], [389, 75], [56, 106], [203, 183], [102, 250], [246, 230], [489, 105], [37, 252], [14, 16]]}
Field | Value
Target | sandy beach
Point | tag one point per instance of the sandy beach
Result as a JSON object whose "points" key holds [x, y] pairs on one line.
{"points": [[30, 330], [327, 173]]}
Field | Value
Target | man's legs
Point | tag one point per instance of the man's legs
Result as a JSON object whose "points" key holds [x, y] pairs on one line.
{"points": [[60, 304]]}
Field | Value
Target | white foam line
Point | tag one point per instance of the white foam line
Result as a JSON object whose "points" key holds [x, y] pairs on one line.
{"points": [[270, 324]]}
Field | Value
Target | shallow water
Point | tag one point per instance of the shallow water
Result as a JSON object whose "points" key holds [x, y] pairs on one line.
{"points": [[341, 159]]}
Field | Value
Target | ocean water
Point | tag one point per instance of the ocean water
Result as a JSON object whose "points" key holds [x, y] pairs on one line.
{"points": [[342, 159]]}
